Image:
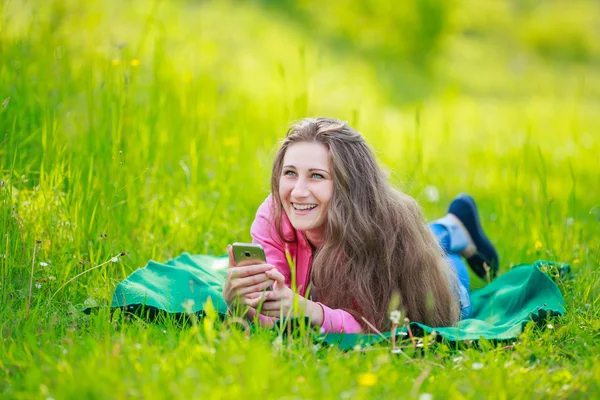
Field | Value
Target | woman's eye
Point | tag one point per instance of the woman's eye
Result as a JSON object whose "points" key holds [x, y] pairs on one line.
{"points": [[289, 173], [317, 176]]}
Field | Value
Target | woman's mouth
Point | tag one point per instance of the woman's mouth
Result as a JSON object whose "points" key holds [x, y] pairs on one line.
{"points": [[303, 208]]}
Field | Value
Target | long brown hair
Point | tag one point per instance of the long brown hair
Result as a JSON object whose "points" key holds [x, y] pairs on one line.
{"points": [[375, 240]]}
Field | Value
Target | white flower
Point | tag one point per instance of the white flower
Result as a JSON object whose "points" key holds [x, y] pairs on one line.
{"points": [[115, 259], [570, 221], [432, 194], [278, 342], [477, 366], [44, 264], [550, 326], [51, 278], [38, 285], [425, 396], [395, 316], [188, 305]]}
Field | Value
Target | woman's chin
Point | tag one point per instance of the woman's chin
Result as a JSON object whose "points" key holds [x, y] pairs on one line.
{"points": [[302, 226], [313, 230], [304, 221]]}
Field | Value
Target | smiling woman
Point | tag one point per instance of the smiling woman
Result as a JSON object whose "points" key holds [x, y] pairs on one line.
{"points": [[306, 188], [357, 242]]}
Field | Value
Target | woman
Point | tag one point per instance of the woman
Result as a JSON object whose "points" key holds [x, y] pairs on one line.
{"points": [[356, 240]]}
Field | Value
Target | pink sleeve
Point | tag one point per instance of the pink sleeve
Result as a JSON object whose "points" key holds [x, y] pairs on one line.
{"points": [[264, 233], [337, 321]]}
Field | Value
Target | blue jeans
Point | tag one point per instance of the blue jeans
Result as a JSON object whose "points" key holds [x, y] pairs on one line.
{"points": [[452, 239]]}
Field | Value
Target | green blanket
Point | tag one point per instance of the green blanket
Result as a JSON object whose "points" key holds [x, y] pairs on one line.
{"points": [[500, 309]]}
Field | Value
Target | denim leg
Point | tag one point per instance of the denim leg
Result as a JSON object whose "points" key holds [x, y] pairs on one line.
{"points": [[457, 262], [452, 242], [456, 238], [442, 235]]}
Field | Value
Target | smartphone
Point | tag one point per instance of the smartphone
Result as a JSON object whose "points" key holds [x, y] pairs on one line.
{"points": [[248, 253]]}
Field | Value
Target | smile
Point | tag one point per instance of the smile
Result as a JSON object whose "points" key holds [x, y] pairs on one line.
{"points": [[303, 207]]}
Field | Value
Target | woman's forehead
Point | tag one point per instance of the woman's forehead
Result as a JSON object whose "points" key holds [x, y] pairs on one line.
{"points": [[307, 155]]}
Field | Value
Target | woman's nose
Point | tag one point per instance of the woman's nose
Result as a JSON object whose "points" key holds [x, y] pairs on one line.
{"points": [[300, 189]]}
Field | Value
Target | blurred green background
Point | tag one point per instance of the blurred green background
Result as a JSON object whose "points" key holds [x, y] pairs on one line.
{"points": [[149, 126]]}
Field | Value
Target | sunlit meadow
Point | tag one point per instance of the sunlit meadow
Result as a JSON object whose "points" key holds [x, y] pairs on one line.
{"points": [[137, 130]]}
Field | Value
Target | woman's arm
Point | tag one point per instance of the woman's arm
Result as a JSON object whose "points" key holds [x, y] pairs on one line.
{"points": [[264, 233], [338, 321]]}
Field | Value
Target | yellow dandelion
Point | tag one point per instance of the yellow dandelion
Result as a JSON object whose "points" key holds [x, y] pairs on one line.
{"points": [[135, 62], [367, 379], [538, 245], [576, 261], [116, 62]]}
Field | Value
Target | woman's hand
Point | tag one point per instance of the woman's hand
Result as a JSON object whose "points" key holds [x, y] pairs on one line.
{"points": [[253, 316], [280, 301], [242, 280]]}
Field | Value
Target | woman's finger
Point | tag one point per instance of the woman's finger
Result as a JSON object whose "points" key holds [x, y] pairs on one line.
{"points": [[249, 270], [232, 262], [274, 305], [274, 314], [255, 295], [250, 314], [255, 302], [252, 299], [266, 321], [254, 288], [240, 283], [276, 275]]}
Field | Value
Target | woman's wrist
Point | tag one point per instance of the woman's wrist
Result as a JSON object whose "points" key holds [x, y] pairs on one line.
{"points": [[315, 313]]}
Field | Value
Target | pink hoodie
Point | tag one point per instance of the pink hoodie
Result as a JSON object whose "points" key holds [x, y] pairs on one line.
{"points": [[263, 232]]}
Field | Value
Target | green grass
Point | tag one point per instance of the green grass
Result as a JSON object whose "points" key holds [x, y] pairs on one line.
{"points": [[149, 128]]}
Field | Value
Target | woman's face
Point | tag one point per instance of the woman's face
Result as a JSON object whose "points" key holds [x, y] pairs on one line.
{"points": [[306, 187]]}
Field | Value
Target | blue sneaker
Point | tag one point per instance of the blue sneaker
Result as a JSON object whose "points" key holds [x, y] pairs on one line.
{"points": [[485, 258]]}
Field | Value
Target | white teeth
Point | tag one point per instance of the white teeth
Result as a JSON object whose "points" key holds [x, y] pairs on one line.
{"points": [[304, 206]]}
